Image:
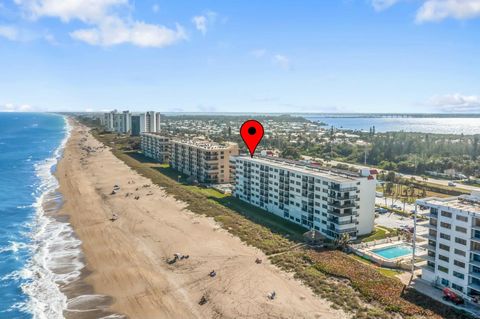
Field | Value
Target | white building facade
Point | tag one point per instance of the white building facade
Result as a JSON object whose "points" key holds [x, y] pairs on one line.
{"points": [[332, 202], [203, 161], [156, 146], [118, 122], [150, 122], [453, 245]]}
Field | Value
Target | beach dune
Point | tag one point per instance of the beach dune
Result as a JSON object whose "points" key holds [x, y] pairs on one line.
{"points": [[127, 258]]}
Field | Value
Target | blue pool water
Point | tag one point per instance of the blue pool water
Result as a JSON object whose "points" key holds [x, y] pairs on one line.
{"points": [[393, 251], [30, 145]]}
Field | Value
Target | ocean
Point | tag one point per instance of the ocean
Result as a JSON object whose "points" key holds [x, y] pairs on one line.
{"points": [[38, 254], [438, 125]]}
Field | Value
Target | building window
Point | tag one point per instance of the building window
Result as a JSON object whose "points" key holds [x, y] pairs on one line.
{"points": [[458, 275], [460, 241], [462, 218], [461, 229], [446, 225], [459, 264], [444, 247], [442, 269], [444, 236], [460, 252], [446, 214], [457, 287], [444, 258]]}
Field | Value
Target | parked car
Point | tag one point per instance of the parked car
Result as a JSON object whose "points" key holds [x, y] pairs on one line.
{"points": [[449, 295], [452, 184]]}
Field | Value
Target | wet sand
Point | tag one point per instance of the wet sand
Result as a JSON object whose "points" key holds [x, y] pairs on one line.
{"points": [[127, 258]]}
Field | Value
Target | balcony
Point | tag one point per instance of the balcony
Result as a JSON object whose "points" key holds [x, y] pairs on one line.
{"points": [[430, 266], [340, 205], [476, 236], [337, 188], [339, 214], [338, 222], [432, 225], [475, 274], [475, 285]]}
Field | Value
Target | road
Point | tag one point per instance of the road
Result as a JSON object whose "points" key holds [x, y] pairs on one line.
{"points": [[441, 182]]}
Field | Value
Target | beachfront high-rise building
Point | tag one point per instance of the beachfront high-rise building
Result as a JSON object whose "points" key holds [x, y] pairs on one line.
{"points": [[453, 258], [330, 201], [136, 125], [156, 146], [204, 161], [150, 122], [109, 120], [118, 122]]}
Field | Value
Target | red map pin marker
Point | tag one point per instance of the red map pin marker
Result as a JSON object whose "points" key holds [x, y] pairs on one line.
{"points": [[252, 133]]}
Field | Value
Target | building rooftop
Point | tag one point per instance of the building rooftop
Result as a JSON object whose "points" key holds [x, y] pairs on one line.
{"points": [[306, 168], [204, 144], [466, 203]]}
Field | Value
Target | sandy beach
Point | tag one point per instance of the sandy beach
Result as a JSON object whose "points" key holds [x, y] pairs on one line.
{"points": [[127, 258]]}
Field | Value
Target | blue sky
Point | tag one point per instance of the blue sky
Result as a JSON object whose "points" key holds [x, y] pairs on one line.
{"points": [[240, 56]]}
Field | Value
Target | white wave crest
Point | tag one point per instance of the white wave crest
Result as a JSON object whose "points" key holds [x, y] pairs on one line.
{"points": [[56, 252]]}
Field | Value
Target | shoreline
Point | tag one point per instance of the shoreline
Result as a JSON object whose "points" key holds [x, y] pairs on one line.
{"points": [[127, 258]]}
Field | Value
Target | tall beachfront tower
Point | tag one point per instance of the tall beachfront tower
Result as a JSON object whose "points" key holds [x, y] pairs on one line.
{"points": [[330, 201], [150, 122], [453, 243]]}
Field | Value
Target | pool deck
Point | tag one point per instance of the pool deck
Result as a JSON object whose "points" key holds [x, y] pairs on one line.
{"points": [[365, 250]]}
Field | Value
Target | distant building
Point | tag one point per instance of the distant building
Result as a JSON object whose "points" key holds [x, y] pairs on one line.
{"points": [[109, 119], [156, 146], [453, 258], [118, 122], [150, 122], [203, 161], [136, 125], [330, 201]]}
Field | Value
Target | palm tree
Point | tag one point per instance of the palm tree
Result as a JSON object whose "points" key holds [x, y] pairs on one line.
{"points": [[342, 241]]}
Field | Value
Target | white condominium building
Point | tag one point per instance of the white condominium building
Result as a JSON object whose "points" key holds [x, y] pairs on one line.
{"points": [[204, 161], [150, 122], [156, 146], [453, 258], [118, 122], [333, 202]]}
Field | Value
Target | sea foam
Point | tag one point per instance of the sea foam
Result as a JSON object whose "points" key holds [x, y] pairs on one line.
{"points": [[56, 253]]}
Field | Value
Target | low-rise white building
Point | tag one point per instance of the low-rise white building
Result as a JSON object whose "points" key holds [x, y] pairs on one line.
{"points": [[203, 161], [453, 258], [333, 202]]}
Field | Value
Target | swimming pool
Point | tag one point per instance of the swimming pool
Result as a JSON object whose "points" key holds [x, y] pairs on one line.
{"points": [[393, 252]]}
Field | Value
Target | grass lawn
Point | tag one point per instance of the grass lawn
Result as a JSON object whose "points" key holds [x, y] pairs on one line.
{"points": [[380, 232], [384, 271], [320, 270]]}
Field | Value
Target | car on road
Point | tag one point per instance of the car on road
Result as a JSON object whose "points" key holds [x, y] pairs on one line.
{"points": [[452, 184]]}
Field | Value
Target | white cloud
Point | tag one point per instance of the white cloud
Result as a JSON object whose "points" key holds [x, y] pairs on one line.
{"points": [[455, 103], [114, 31], [84, 10], [9, 107], [258, 53], [380, 5], [282, 61], [203, 22], [106, 25], [437, 10], [9, 32]]}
